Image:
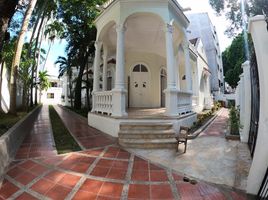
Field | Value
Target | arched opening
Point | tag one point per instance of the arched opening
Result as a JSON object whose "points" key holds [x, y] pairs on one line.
{"points": [[140, 87]]}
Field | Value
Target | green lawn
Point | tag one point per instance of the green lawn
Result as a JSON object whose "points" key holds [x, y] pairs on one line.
{"points": [[64, 140], [8, 120]]}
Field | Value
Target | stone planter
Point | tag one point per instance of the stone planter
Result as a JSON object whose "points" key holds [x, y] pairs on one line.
{"points": [[12, 139], [229, 136]]}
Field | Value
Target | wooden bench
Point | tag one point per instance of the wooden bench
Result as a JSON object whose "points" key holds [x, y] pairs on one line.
{"points": [[182, 137]]}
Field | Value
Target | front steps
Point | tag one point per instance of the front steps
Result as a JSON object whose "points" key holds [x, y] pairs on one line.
{"points": [[151, 135]]}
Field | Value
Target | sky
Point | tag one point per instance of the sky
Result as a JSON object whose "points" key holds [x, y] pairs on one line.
{"points": [[58, 49]]}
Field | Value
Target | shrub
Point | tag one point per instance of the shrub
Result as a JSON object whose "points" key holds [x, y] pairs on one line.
{"points": [[234, 121]]}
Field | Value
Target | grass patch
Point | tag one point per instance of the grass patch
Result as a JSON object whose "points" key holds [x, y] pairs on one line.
{"points": [[83, 111], [64, 140], [9, 120]]}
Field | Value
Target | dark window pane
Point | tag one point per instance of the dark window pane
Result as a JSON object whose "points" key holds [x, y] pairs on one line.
{"points": [[136, 68], [143, 68]]}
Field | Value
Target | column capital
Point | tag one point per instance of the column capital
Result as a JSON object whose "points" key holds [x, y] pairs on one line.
{"points": [[120, 28], [169, 28]]}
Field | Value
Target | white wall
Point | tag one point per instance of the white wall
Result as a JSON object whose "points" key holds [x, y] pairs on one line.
{"points": [[258, 30]]}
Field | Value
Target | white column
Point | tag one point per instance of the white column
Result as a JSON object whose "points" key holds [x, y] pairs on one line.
{"points": [[247, 102], [171, 91], [104, 74], [97, 60], [119, 92], [96, 80], [188, 67], [242, 100]]}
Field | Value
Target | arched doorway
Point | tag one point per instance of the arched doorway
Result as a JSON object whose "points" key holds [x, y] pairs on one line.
{"points": [[163, 86], [139, 87]]}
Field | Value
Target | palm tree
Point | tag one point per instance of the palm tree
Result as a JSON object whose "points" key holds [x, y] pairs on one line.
{"points": [[43, 83], [66, 67], [16, 59]]}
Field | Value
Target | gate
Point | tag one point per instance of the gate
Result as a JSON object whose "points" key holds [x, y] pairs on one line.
{"points": [[255, 104], [263, 193]]}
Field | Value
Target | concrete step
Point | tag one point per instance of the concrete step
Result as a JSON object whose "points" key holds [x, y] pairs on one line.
{"points": [[145, 126], [169, 143], [146, 134]]}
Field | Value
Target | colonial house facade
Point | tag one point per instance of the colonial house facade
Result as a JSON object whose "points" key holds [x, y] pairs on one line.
{"points": [[148, 70]]}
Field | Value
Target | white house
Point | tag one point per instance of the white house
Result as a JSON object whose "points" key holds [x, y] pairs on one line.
{"points": [[147, 66], [52, 96]]}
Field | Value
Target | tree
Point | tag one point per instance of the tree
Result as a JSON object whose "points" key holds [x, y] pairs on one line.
{"points": [[16, 59], [232, 58], [66, 67], [7, 10], [235, 9], [80, 34], [43, 83]]}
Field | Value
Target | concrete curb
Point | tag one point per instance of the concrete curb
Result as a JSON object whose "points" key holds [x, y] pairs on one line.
{"points": [[12, 139]]}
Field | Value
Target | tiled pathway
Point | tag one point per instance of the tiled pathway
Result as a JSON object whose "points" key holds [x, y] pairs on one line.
{"points": [[85, 135], [219, 125], [103, 173], [99, 173], [40, 141]]}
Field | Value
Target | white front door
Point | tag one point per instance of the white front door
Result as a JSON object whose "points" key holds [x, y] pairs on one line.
{"points": [[139, 87]]}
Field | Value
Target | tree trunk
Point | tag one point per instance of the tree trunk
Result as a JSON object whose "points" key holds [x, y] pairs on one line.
{"points": [[17, 56], [7, 10], [1, 80], [35, 55], [87, 88]]}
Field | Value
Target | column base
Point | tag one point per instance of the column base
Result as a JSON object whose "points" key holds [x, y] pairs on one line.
{"points": [[119, 103], [171, 102]]}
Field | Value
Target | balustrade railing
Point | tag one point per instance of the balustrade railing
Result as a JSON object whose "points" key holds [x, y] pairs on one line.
{"points": [[184, 102], [195, 100], [103, 102]]}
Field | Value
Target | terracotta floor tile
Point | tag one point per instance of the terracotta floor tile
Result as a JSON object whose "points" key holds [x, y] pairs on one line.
{"points": [[137, 191], [100, 171], [140, 165], [38, 169], [83, 195], [27, 164], [42, 186], [15, 172], [91, 186], [55, 176], [123, 155], [237, 196], [87, 160], [140, 175], [80, 167], [120, 165], [206, 189], [26, 196], [93, 152], [25, 178], [111, 189], [8, 189], [58, 192], [158, 175], [69, 180], [215, 196], [105, 163], [116, 173], [177, 177], [107, 198], [154, 167], [161, 192]]}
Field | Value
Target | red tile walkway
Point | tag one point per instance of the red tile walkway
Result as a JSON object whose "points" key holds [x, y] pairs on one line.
{"points": [[40, 141], [100, 173], [219, 125], [85, 135]]}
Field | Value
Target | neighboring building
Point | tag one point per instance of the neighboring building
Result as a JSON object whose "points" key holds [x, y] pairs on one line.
{"points": [[53, 95], [145, 73], [201, 27]]}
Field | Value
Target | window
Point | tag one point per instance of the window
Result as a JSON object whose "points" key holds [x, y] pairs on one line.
{"points": [[54, 84], [50, 95], [140, 68]]}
